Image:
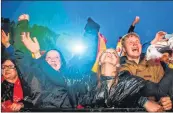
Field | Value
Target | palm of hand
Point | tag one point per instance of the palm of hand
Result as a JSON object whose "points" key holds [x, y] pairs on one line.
{"points": [[32, 45]]}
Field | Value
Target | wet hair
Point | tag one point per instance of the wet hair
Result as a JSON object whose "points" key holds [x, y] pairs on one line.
{"points": [[127, 36], [99, 68], [62, 59]]}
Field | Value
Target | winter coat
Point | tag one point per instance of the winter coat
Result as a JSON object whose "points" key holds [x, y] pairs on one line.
{"points": [[145, 69], [7, 93], [44, 93], [125, 94]]}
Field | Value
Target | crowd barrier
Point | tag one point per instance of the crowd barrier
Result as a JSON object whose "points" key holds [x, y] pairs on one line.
{"points": [[85, 110]]}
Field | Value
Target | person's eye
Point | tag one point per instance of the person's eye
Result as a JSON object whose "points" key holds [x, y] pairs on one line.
{"points": [[11, 66]]}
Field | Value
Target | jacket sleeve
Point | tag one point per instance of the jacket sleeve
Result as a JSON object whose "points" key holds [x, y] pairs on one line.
{"points": [[10, 52], [131, 29], [20, 27], [142, 100], [165, 86], [25, 60]]}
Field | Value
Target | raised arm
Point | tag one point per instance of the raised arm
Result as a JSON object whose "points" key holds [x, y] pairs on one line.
{"points": [[132, 27]]}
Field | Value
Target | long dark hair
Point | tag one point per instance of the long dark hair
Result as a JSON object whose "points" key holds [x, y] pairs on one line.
{"points": [[62, 59]]}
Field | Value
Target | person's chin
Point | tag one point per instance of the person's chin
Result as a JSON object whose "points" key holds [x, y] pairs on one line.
{"points": [[136, 56]]}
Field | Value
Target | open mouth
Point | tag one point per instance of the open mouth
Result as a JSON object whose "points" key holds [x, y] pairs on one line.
{"points": [[54, 65], [135, 49]]}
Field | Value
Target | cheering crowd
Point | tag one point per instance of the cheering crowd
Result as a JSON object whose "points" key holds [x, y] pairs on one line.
{"points": [[41, 80]]}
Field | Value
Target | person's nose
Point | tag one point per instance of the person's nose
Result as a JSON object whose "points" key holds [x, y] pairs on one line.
{"points": [[109, 54]]}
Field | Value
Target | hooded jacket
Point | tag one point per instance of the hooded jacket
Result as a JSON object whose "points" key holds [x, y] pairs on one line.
{"points": [[44, 93]]}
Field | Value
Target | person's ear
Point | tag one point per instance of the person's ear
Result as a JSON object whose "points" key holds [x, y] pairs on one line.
{"points": [[124, 49]]}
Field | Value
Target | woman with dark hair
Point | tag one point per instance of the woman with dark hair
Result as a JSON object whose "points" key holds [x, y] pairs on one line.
{"points": [[14, 90], [45, 93]]}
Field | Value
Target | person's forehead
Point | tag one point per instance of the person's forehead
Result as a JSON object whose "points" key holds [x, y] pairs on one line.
{"points": [[132, 38], [52, 53], [110, 50], [8, 62]]}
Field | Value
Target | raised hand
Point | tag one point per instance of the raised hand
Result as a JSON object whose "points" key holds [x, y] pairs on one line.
{"points": [[5, 39], [159, 37], [137, 18], [23, 17], [32, 45]]}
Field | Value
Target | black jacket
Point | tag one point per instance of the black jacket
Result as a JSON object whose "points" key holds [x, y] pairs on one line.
{"points": [[44, 93], [126, 94], [7, 92]]}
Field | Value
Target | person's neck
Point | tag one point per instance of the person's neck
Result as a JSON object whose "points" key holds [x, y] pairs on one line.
{"points": [[13, 80], [135, 59], [108, 69]]}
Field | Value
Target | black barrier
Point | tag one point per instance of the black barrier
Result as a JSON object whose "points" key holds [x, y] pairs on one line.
{"points": [[85, 110]]}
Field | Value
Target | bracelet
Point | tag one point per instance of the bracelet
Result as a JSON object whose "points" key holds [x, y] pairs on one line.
{"points": [[36, 55]]}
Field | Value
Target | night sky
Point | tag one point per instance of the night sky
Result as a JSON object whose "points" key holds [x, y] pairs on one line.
{"points": [[114, 17]]}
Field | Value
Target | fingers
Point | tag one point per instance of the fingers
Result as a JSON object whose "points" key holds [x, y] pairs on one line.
{"points": [[164, 39], [164, 99], [25, 36], [15, 107], [23, 17], [160, 109], [162, 33], [137, 19], [36, 41], [3, 34], [166, 103], [28, 35]]}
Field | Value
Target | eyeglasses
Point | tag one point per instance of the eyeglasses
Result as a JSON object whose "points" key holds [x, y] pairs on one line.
{"points": [[8, 67]]}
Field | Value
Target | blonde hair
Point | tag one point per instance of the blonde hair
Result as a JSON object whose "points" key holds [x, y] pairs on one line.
{"points": [[127, 36], [99, 72]]}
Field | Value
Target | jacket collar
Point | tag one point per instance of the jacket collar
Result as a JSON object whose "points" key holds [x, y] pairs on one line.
{"points": [[104, 78], [141, 60]]}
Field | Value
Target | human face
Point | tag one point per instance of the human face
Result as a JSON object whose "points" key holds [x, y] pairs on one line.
{"points": [[132, 46], [9, 71], [53, 59], [110, 57], [165, 57]]}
